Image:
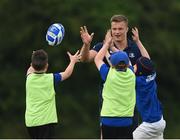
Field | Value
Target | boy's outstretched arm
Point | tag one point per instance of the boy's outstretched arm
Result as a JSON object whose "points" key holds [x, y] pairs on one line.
{"points": [[73, 60], [142, 49], [87, 55], [100, 55]]}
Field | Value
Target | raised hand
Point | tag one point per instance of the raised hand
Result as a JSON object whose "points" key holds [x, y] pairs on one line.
{"points": [[30, 70], [108, 38], [74, 58], [135, 35], [85, 36]]}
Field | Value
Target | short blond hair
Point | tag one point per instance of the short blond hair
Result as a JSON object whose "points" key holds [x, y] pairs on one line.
{"points": [[119, 18]]}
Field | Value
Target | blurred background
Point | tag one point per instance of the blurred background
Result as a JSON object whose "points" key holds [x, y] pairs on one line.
{"points": [[23, 26]]}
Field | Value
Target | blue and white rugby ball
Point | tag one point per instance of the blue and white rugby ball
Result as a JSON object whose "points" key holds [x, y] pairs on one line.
{"points": [[55, 34]]}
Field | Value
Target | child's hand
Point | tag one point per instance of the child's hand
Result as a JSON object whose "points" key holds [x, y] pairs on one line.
{"points": [[74, 58], [30, 70], [85, 36], [135, 35], [108, 38]]}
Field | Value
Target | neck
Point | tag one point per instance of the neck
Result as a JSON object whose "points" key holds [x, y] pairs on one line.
{"points": [[121, 45], [42, 71]]}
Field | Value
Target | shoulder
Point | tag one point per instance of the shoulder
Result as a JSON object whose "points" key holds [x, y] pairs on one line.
{"points": [[29, 75], [97, 46], [104, 69], [146, 79], [133, 51], [131, 68], [57, 77], [151, 77], [132, 44], [48, 75], [132, 48]]}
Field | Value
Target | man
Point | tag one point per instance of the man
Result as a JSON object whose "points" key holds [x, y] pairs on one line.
{"points": [[119, 29], [120, 41]]}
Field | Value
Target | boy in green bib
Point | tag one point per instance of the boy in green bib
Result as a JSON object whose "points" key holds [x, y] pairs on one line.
{"points": [[118, 93], [40, 115]]}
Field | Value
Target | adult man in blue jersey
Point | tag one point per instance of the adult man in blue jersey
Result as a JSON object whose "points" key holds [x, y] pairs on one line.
{"points": [[119, 30]]}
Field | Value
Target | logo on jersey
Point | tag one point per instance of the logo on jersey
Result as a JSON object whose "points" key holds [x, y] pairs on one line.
{"points": [[131, 55], [150, 77]]}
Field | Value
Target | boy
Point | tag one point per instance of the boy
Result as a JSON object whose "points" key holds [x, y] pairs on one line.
{"points": [[118, 93], [40, 115], [153, 124]]}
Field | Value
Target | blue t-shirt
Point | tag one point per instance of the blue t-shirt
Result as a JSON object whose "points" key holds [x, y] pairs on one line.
{"points": [[146, 98], [57, 78]]}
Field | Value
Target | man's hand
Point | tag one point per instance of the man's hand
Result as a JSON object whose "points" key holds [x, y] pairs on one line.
{"points": [[135, 35], [85, 36]]}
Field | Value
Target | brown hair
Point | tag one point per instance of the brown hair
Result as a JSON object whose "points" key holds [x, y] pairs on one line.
{"points": [[121, 66], [119, 18], [39, 60]]}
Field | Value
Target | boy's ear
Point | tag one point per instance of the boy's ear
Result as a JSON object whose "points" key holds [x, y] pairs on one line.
{"points": [[46, 67]]}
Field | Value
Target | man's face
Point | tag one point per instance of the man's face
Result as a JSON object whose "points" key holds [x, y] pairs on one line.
{"points": [[119, 31]]}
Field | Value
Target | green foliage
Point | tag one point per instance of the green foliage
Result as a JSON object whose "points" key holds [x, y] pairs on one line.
{"points": [[22, 29]]}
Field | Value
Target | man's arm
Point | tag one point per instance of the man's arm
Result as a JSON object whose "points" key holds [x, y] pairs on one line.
{"points": [[73, 59], [87, 55], [142, 49]]}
